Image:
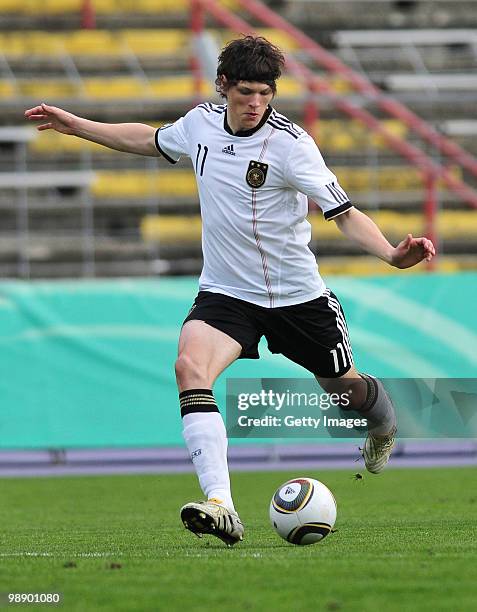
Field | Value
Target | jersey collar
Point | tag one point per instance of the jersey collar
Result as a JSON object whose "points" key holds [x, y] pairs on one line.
{"points": [[266, 115]]}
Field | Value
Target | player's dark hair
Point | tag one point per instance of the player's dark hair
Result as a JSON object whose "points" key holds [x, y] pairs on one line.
{"points": [[251, 58]]}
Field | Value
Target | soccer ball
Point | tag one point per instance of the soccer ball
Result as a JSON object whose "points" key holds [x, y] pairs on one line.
{"points": [[303, 511]]}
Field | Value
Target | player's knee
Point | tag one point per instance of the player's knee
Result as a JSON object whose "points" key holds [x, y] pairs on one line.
{"points": [[190, 371], [352, 392]]}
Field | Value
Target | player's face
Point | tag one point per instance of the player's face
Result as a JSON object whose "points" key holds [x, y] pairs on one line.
{"points": [[246, 103]]}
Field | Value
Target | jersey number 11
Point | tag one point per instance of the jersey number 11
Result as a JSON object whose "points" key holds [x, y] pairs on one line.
{"points": [[202, 161]]}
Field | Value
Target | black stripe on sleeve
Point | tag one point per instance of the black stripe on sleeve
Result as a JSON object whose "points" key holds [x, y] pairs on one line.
{"points": [[336, 194], [158, 147], [338, 189], [335, 212]]}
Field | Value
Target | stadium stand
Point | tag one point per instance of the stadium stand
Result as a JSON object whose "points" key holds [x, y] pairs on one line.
{"points": [[70, 207]]}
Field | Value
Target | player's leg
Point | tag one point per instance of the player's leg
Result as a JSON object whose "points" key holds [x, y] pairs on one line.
{"points": [[217, 331], [366, 395], [204, 352], [369, 398], [315, 335]]}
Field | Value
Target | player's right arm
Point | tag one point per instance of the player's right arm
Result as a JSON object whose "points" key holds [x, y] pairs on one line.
{"points": [[136, 138]]}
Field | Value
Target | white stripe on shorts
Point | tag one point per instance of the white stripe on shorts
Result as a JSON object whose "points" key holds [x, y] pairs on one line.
{"points": [[340, 323]]}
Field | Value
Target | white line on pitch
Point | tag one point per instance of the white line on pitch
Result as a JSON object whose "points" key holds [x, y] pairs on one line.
{"points": [[48, 554]]}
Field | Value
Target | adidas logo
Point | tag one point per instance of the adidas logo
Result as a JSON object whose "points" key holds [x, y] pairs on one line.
{"points": [[229, 150], [289, 491]]}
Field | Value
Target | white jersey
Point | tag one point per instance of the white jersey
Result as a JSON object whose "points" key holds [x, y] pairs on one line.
{"points": [[253, 188]]}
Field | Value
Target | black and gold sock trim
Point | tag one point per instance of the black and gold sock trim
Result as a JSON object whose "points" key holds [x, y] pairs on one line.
{"points": [[372, 393], [197, 400]]}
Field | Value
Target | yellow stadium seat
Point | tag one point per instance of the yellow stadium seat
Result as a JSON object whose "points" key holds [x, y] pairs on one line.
{"points": [[167, 229], [353, 179], [179, 87], [55, 6], [340, 140], [30, 43], [179, 183], [12, 44], [396, 127], [51, 141], [288, 86], [167, 183], [106, 6], [347, 135], [79, 42], [387, 178], [156, 42], [52, 7], [102, 7], [165, 6], [42, 43], [141, 6], [123, 185], [457, 223], [123, 87], [161, 41], [48, 89], [9, 6], [449, 224], [7, 89], [102, 88], [92, 42]]}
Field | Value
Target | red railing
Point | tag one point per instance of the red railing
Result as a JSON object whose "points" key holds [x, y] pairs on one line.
{"points": [[88, 15]]}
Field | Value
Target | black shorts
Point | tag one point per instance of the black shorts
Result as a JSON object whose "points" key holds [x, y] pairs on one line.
{"points": [[313, 334]]}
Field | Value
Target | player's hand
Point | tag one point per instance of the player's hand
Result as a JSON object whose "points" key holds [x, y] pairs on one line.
{"points": [[411, 251], [52, 118]]}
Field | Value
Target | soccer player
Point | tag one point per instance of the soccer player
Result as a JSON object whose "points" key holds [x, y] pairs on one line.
{"points": [[255, 169]]}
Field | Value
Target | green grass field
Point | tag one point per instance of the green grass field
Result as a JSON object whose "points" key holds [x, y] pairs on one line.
{"points": [[405, 540]]}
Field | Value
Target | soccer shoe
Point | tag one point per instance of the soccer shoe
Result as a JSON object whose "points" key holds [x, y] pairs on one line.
{"points": [[214, 519], [377, 450]]}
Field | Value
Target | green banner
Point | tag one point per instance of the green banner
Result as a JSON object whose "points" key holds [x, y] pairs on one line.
{"points": [[91, 363]]}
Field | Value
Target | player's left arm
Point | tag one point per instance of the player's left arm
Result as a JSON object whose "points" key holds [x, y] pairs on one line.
{"points": [[359, 228]]}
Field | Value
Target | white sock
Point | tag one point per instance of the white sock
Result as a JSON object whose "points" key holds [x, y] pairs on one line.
{"points": [[206, 439]]}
